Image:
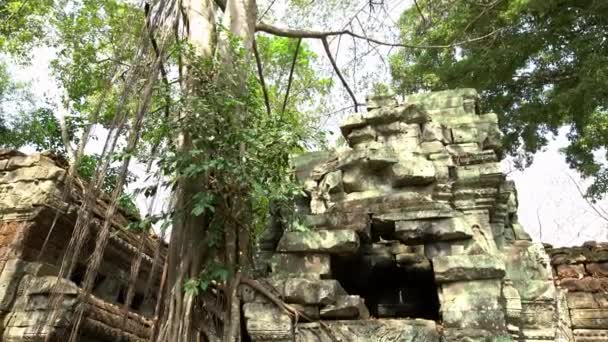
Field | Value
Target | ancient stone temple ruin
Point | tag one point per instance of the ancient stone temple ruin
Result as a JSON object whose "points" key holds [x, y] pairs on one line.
{"points": [[409, 234], [32, 193]]}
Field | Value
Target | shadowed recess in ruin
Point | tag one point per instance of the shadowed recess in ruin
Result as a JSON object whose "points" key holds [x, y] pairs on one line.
{"points": [[390, 289]]}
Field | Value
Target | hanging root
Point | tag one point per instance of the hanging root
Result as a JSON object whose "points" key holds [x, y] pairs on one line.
{"points": [[290, 310]]}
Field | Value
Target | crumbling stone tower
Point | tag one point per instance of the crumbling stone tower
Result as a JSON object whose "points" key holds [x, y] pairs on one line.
{"points": [[413, 225]]}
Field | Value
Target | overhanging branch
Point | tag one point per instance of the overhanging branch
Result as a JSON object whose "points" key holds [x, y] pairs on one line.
{"points": [[293, 33], [335, 66]]}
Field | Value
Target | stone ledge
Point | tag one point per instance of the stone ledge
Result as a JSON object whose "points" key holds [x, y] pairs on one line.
{"points": [[308, 265], [339, 241], [401, 330], [418, 231], [589, 318], [474, 335], [467, 267], [591, 335]]}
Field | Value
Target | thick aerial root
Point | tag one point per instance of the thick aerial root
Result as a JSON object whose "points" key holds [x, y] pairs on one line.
{"points": [[290, 310]]}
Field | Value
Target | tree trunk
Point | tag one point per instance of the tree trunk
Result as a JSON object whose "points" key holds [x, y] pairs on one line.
{"points": [[185, 317]]}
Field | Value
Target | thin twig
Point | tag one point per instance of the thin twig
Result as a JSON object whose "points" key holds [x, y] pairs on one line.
{"points": [[266, 11], [370, 44], [337, 70], [481, 14], [540, 225], [290, 79], [258, 62], [420, 12], [599, 211]]}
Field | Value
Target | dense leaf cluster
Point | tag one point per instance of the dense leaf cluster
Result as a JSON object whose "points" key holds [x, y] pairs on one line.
{"points": [[543, 64]]}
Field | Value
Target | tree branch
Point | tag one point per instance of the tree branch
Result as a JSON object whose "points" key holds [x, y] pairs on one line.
{"points": [[337, 70], [258, 62], [540, 225], [221, 4], [374, 47], [598, 210], [420, 12], [481, 14], [65, 136], [293, 67], [292, 33], [266, 11], [163, 71]]}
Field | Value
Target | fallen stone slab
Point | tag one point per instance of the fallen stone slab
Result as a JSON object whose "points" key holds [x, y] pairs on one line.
{"points": [[346, 307]]}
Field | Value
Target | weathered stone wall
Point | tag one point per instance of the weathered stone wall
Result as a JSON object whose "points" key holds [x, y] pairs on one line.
{"points": [[32, 196], [413, 224], [581, 275]]}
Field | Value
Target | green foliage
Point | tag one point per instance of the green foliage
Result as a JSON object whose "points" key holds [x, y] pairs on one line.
{"points": [[213, 272], [202, 202], [296, 225], [308, 90], [545, 65], [96, 40], [238, 152], [238, 148], [5, 81], [380, 89], [23, 23], [38, 129]]}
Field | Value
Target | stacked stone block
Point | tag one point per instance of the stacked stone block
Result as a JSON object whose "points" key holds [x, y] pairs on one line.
{"points": [[581, 275]]}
